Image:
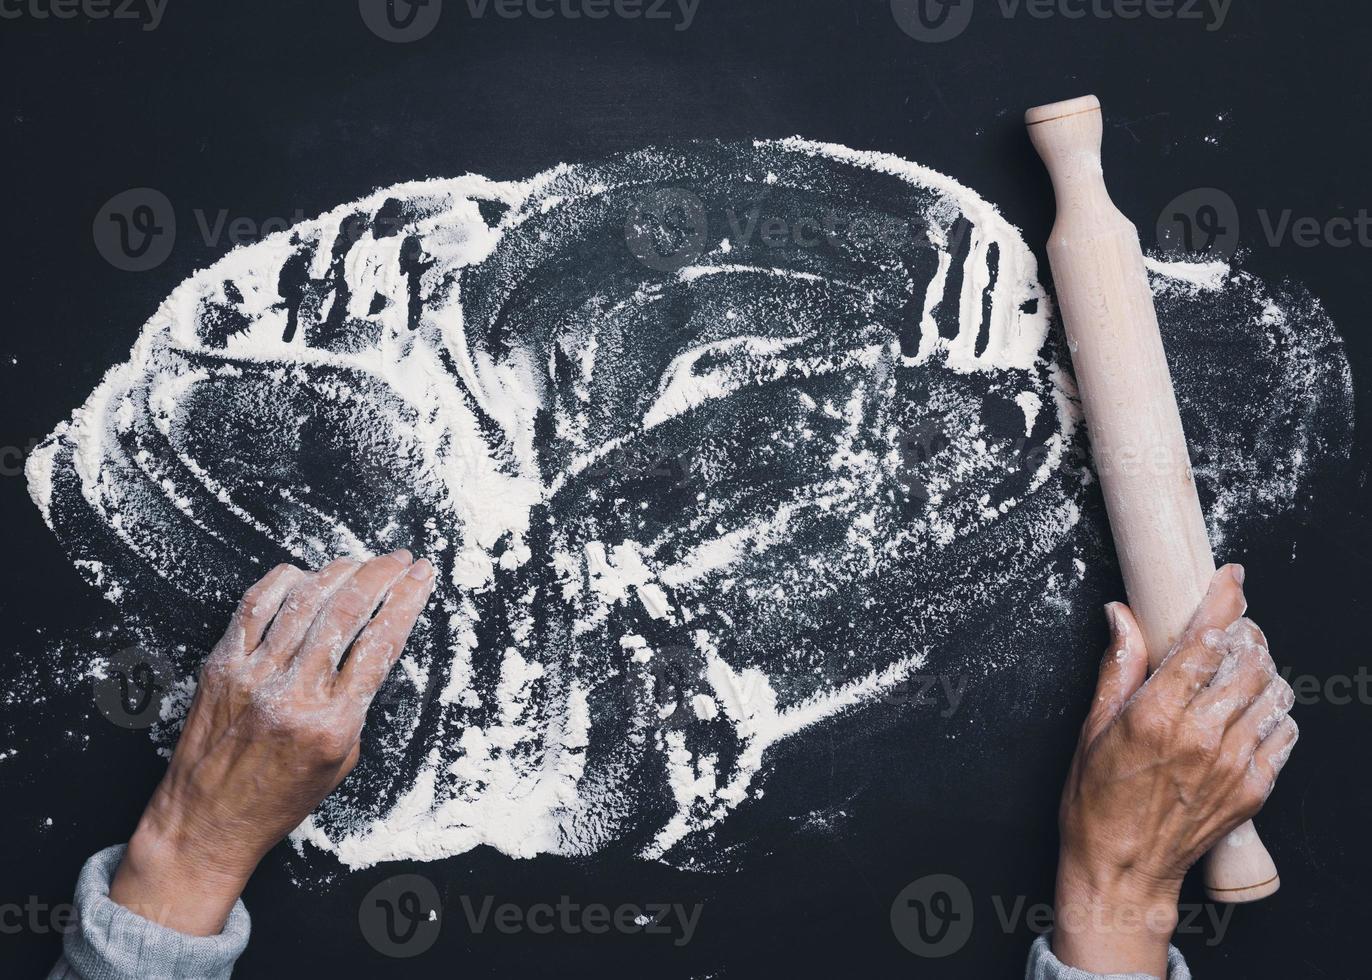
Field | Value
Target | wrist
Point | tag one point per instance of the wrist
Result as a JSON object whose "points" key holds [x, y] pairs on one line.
{"points": [[1117, 887], [174, 875], [1110, 920]]}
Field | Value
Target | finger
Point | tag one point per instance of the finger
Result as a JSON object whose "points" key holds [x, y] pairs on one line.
{"points": [[1271, 758], [1122, 671], [1192, 664], [382, 642], [301, 606], [1246, 670], [1261, 718], [1224, 602], [342, 617], [260, 603]]}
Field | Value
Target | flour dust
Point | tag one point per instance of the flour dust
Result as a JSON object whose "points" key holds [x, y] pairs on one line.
{"points": [[709, 444]]}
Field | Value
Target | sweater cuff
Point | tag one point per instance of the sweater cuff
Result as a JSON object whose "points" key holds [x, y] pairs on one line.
{"points": [[1043, 965], [112, 943]]}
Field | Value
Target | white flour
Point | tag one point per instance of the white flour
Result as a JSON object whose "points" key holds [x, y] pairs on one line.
{"points": [[680, 515]]}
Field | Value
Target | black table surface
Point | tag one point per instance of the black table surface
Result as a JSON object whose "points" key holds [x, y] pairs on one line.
{"points": [[276, 109]]}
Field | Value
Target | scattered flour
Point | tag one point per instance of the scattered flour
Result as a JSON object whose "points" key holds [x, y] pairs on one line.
{"points": [[681, 511]]}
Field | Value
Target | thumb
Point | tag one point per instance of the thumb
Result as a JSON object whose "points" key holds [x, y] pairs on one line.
{"points": [[1122, 671]]}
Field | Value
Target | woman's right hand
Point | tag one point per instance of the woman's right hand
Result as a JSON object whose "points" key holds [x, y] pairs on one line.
{"points": [[1165, 768]]}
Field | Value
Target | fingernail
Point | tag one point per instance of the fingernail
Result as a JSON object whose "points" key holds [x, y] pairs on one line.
{"points": [[421, 570], [403, 554], [1239, 574], [1112, 616]]}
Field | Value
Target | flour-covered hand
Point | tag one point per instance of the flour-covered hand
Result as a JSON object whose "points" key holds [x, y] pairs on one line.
{"points": [[1164, 769], [273, 729]]}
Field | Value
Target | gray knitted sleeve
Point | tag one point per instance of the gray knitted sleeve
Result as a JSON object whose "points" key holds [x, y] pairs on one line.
{"points": [[1043, 965], [111, 943]]}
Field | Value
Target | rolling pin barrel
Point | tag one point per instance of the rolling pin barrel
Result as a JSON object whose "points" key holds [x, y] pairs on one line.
{"points": [[1137, 439]]}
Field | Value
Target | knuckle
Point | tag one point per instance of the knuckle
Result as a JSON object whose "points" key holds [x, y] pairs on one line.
{"points": [[1232, 762], [314, 737], [350, 604], [1151, 725], [385, 650], [212, 674], [1249, 632], [1201, 741], [332, 745], [1138, 724], [1253, 661], [262, 586], [1254, 793], [1283, 693], [340, 566], [1291, 733], [1212, 639]]}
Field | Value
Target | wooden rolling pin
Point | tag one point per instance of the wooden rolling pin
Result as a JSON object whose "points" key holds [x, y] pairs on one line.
{"points": [[1131, 412]]}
